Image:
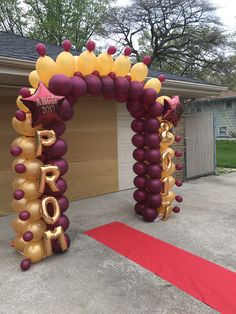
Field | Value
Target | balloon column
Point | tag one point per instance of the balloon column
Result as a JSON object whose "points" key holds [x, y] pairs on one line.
{"points": [[40, 121]]}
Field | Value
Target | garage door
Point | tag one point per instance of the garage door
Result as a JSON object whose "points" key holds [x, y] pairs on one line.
{"points": [[200, 145]]}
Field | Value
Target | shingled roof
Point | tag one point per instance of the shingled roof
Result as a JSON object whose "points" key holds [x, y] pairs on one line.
{"points": [[23, 48]]}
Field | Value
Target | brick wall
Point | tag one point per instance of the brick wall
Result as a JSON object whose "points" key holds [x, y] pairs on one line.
{"points": [[179, 130]]}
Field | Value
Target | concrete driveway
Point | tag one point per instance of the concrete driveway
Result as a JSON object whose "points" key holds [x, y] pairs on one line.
{"points": [[91, 278]]}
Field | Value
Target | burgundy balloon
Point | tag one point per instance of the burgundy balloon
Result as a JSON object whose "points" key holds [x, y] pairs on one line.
{"points": [[147, 60], [79, 74], [153, 156], [66, 45], [155, 109], [112, 75], [108, 85], [136, 90], [134, 105], [94, 85], [152, 140], [72, 100], [56, 245], [57, 150], [137, 125], [20, 115], [109, 96], [24, 215], [60, 84], [63, 203], [67, 110], [61, 163], [43, 158], [178, 153], [121, 97], [61, 185], [162, 77], [90, 45], [179, 167], [25, 92], [176, 209], [139, 208], [41, 49], [25, 264], [79, 87], [154, 186], [18, 194], [178, 138], [139, 168], [149, 214], [149, 96], [16, 151], [20, 168], [178, 182], [152, 125], [179, 198], [58, 127], [140, 196], [139, 154], [154, 200], [63, 221], [138, 140], [154, 171], [140, 182], [138, 114], [122, 85], [28, 236]]}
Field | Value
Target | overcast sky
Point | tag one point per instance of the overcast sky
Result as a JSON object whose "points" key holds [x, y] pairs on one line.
{"points": [[227, 11]]}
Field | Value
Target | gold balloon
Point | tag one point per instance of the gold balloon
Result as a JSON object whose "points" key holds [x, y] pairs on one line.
{"points": [[17, 183], [121, 66], [20, 104], [19, 244], [35, 251], [65, 63], [46, 68], [171, 181], [44, 138], [31, 189], [170, 197], [32, 169], [49, 174], [76, 63], [153, 83], [25, 127], [35, 209], [104, 63], [34, 79], [162, 99], [19, 226], [19, 205], [37, 228], [166, 141], [28, 146], [169, 172], [165, 210], [49, 235], [169, 150], [86, 62], [139, 72]]}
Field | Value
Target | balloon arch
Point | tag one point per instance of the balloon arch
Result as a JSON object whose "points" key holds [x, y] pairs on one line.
{"points": [[40, 121]]}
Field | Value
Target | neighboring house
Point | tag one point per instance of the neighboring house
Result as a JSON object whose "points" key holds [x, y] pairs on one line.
{"points": [[224, 110], [99, 135]]}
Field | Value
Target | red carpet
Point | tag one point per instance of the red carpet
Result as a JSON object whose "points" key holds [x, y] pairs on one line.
{"points": [[204, 280]]}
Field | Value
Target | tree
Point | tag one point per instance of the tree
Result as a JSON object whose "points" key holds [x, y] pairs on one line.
{"points": [[182, 36]]}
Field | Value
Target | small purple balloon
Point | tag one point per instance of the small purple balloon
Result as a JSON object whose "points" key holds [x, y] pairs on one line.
{"points": [[179, 167], [18, 194], [16, 151], [154, 200], [140, 182], [138, 140], [140, 196], [155, 109], [56, 245], [137, 125], [25, 92], [154, 186], [24, 215], [139, 168], [94, 85], [136, 90], [79, 87], [61, 163], [176, 209], [58, 127], [67, 110], [149, 96], [153, 156], [20, 168], [41, 49], [63, 221], [139, 154], [57, 150], [154, 170], [25, 264], [61, 185], [20, 115], [149, 214], [152, 125], [108, 85], [28, 236], [60, 84], [139, 208], [122, 85], [152, 140]]}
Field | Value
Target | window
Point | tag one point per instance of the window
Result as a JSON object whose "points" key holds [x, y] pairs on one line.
{"points": [[198, 107], [223, 130], [228, 104]]}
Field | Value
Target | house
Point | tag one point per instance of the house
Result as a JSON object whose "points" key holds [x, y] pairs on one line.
{"points": [[100, 149], [224, 109]]}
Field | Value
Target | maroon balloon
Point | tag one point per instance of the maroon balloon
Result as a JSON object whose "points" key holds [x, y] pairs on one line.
{"points": [[154, 171], [61, 163], [20, 115], [155, 109], [24, 215], [122, 85], [79, 87], [136, 90], [63, 203], [58, 127], [178, 138], [28, 236], [18, 194], [178, 153], [140, 196], [178, 182], [152, 140], [108, 85], [140, 182], [138, 114], [137, 125], [139, 154], [138, 140], [41, 49], [179, 167], [154, 186], [149, 214], [16, 151], [60, 84], [20, 168], [61, 185], [56, 245], [72, 100], [63, 221], [154, 200], [67, 110], [139, 168], [139, 208], [109, 96], [25, 92], [94, 85], [176, 209], [57, 150], [152, 125], [121, 97], [149, 96], [134, 105], [25, 264], [153, 156], [179, 198]]}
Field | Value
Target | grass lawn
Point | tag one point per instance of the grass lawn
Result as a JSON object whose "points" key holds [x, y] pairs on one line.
{"points": [[226, 154]]}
